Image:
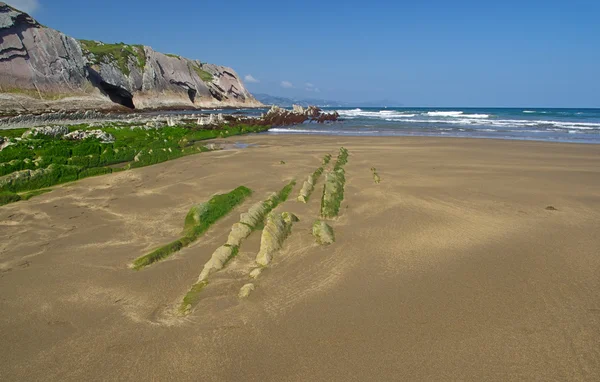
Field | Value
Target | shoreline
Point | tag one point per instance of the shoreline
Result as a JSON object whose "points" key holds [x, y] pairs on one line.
{"points": [[431, 136]]}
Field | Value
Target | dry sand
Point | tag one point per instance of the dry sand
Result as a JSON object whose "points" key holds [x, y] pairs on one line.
{"points": [[451, 269]]}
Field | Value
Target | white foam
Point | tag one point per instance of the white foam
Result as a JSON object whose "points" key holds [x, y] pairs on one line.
{"points": [[316, 131], [480, 116], [382, 114], [529, 111], [444, 113]]}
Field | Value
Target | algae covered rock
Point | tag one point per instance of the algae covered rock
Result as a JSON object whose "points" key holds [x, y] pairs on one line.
{"points": [[217, 261], [195, 216], [257, 212], [323, 233], [309, 185], [48, 131], [256, 272], [198, 220], [239, 231], [202, 215], [246, 290], [277, 229], [333, 193], [306, 190], [376, 177]]}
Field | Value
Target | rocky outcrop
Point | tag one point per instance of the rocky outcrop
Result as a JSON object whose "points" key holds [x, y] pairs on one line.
{"points": [[246, 290], [323, 233], [48, 131], [333, 191], [42, 68], [80, 135], [217, 261], [277, 229], [4, 143], [376, 177], [277, 116], [309, 185]]}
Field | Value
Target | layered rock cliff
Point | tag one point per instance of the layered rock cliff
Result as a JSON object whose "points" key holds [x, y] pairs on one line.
{"points": [[43, 69]]}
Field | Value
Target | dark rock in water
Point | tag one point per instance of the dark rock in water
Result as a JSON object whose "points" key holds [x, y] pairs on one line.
{"points": [[42, 68], [551, 208], [277, 116]]}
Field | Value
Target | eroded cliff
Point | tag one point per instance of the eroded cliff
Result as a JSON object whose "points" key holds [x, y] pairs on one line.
{"points": [[43, 69]]}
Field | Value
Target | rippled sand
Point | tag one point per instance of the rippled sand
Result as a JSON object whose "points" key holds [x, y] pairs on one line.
{"points": [[452, 268]]}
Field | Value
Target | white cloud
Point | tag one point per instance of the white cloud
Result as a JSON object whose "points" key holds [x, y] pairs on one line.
{"points": [[27, 6], [251, 80], [311, 88], [286, 84]]}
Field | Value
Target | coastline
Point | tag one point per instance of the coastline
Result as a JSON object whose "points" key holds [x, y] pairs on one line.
{"points": [[453, 267]]}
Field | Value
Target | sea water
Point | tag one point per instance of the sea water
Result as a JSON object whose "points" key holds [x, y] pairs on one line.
{"points": [[563, 125]]}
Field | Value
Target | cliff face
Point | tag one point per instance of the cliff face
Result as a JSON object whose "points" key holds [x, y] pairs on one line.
{"points": [[42, 68]]}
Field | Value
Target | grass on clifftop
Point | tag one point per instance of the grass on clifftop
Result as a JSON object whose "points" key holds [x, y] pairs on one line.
{"points": [[198, 220], [203, 74], [120, 53]]}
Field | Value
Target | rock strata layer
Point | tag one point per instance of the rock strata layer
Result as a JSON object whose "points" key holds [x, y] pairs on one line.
{"points": [[44, 69]]}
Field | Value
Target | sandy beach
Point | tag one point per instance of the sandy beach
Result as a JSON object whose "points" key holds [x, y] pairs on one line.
{"points": [[473, 259]]}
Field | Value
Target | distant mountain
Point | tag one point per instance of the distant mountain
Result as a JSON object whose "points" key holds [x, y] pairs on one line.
{"points": [[288, 102]]}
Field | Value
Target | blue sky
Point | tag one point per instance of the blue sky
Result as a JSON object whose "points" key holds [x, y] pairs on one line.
{"points": [[419, 53]]}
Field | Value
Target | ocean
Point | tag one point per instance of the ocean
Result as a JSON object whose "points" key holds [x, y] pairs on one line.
{"points": [[556, 125]]}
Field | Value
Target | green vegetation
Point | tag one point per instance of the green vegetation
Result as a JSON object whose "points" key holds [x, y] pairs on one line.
{"points": [[172, 55], [12, 133], [198, 220], [342, 159], [202, 216], [333, 191], [283, 195], [31, 194], [323, 233], [192, 297], [253, 219], [8, 197], [42, 161], [203, 74], [34, 93], [376, 177], [120, 53]]}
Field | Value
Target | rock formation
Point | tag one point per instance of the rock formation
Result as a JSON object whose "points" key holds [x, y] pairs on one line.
{"points": [[309, 185], [42, 68], [49, 131], [80, 135], [323, 233], [246, 290], [333, 191], [376, 177], [277, 116], [217, 261], [277, 229]]}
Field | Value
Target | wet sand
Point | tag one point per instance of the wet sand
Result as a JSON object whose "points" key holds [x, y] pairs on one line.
{"points": [[452, 268]]}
